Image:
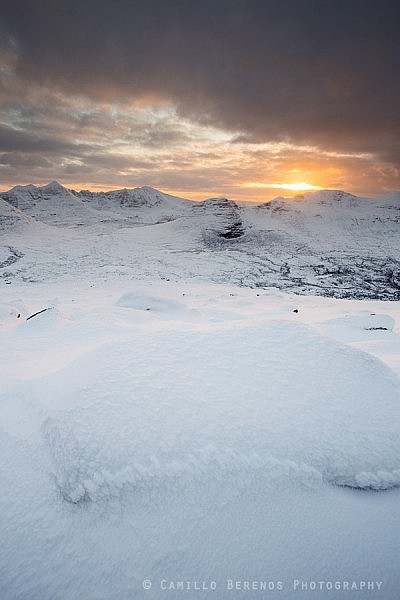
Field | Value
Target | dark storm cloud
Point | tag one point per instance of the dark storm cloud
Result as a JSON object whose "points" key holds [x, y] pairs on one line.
{"points": [[309, 71], [21, 159], [12, 140], [118, 162]]}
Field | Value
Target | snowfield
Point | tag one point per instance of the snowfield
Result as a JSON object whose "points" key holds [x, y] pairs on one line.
{"points": [[168, 436]]}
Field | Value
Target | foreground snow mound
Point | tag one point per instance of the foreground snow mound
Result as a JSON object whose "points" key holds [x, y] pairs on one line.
{"points": [[283, 405], [368, 322], [140, 446], [158, 304], [10, 314]]}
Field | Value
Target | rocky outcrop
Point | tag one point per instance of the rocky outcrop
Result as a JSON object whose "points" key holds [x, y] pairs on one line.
{"points": [[222, 218]]}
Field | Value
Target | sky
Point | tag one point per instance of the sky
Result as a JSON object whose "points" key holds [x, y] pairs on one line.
{"points": [[248, 99]]}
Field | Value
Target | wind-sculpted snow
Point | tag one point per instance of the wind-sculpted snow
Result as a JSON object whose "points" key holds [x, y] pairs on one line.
{"points": [[224, 433], [197, 406], [366, 322], [163, 307], [83, 475]]}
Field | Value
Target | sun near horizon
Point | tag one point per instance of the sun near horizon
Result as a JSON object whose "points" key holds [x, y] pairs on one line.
{"points": [[294, 187], [242, 192]]}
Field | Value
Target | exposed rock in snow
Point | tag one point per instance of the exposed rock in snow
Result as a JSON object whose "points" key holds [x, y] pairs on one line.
{"points": [[225, 222]]}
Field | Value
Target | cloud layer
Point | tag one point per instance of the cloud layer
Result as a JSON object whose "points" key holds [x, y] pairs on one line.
{"points": [[93, 91]]}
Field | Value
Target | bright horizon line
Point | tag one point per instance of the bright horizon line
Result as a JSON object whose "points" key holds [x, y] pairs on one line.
{"points": [[201, 195], [295, 187]]}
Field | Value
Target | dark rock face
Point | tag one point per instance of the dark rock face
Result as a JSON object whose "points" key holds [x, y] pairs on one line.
{"points": [[233, 231], [225, 218]]}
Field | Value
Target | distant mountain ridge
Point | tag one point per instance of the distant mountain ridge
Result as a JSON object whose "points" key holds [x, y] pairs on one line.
{"points": [[146, 195], [55, 204]]}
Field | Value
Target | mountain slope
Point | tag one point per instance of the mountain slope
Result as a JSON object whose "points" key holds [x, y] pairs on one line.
{"points": [[11, 217], [137, 202]]}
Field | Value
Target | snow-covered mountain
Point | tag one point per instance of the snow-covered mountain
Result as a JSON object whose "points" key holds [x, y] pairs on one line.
{"points": [[143, 197], [326, 243], [143, 205]]}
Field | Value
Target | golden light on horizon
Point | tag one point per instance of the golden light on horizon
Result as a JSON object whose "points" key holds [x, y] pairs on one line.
{"points": [[299, 187], [293, 187]]}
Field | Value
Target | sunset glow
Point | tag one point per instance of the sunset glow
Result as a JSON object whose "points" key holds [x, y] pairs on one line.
{"points": [[293, 187], [186, 110], [297, 187]]}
